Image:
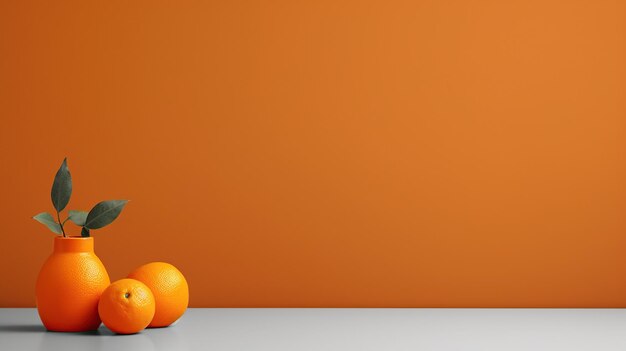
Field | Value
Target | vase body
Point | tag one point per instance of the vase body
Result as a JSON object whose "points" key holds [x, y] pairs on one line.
{"points": [[69, 286]]}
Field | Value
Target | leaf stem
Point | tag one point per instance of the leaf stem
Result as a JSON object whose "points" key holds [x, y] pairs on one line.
{"points": [[61, 224]]}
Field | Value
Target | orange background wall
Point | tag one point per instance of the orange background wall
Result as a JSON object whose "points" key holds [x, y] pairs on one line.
{"points": [[326, 153]]}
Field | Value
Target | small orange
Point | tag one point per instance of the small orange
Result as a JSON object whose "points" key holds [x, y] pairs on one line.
{"points": [[170, 290], [126, 306]]}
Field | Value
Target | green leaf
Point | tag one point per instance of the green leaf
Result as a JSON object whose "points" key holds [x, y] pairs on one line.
{"points": [[78, 217], [62, 187], [84, 232], [104, 213], [46, 219]]}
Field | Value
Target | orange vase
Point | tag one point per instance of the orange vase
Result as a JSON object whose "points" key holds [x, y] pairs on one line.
{"points": [[69, 286]]}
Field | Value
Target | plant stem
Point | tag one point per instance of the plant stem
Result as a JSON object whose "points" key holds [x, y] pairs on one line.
{"points": [[61, 224]]}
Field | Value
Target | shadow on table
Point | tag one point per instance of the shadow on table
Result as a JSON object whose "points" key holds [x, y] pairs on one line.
{"points": [[166, 339], [38, 328], [102, 339], [150, 339], [23, 328]]}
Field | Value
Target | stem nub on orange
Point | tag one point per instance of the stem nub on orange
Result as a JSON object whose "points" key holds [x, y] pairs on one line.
{"points": [[127, 306], [170, 289]]}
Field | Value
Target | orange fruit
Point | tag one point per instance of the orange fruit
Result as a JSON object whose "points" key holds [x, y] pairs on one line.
{"points": [[170, 289], [126, 306]]}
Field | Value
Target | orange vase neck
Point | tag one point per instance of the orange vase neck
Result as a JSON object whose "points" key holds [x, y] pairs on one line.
{"points": [[73, 244]]}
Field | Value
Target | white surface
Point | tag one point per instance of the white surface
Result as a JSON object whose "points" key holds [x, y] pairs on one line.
{"points": [[342, 329]]}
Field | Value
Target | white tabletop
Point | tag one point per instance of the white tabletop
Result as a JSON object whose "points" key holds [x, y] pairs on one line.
{"points": [[341, 329]]}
